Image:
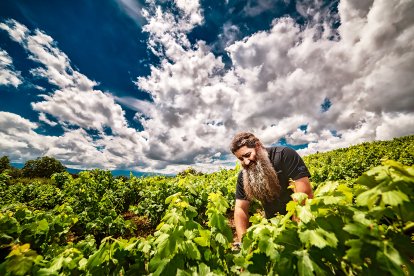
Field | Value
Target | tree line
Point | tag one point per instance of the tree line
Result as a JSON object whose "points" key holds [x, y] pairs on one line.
{"points": [[41, 167]]}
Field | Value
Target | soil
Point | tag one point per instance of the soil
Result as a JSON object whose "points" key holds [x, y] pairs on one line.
{"points": [[144, 227], [142, 224]]}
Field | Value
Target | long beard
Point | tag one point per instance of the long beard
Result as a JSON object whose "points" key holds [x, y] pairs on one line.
{"points": [[260, 179]]}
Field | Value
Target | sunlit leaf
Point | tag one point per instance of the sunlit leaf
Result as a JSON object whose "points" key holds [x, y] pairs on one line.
{"points": [[394, 198], [305, 266], [304, 213], [319, 238], [390, 260]]}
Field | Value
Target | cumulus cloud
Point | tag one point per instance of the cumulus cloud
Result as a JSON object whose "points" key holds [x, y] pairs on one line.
{"points": [[92, 109], [17, 31], [281, 77], [75, 102], [168, 29], [319, 12], [230, 33], [191, 11], [43, 118], [18, 139], [78, 108], [183, 123], [76, 148], [394, 125], [8, 75]]}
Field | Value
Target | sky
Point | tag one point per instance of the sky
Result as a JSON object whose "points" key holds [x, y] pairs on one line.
{"points": [[159, 86]]}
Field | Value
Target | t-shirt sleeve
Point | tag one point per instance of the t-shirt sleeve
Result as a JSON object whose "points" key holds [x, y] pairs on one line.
{"points": [[293, 164], [240, 194]]}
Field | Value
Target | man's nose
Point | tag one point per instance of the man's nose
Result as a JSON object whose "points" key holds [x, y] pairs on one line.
{"points": [[246, 161]]}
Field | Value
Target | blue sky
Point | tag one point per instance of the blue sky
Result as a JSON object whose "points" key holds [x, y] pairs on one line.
{"points": [[157, 86]]}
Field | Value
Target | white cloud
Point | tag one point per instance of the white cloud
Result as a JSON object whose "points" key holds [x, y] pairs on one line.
{"points": [[280, 78], [16, 30], [395, 125], [75, 102], [318, 12], [43, 118], [75, 148], [191, 10], [87, 109], [79, 108], [8, 75], [229, 35], [133, 9], [168, 31], [40, 88], [42, 48], [18, 139], [143, 107]]}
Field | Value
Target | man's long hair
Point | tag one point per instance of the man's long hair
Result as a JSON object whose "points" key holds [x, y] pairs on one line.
{"points": [[244, 139], [260, 179]]}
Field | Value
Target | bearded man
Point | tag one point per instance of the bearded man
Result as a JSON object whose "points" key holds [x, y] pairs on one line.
{"points": [[265, 177]]}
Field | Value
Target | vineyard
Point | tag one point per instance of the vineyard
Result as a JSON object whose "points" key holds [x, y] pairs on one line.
{"points": [[360, 222]]}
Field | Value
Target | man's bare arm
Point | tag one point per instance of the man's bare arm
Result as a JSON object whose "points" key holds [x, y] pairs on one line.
{"points": [[302, 185], [241, 217]]}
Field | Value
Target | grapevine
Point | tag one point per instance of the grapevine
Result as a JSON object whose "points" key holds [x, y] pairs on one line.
{"points": [[360, 221]]}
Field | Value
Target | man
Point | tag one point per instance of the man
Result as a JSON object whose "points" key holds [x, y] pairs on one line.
{"points": [[265, 177]]}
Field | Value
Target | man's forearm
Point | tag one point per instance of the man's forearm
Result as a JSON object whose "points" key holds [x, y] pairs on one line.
{"points": [[241, 221], [303, 185]]}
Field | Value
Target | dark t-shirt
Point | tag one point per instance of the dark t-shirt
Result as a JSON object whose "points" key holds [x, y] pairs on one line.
{"points": [[288, 164]]}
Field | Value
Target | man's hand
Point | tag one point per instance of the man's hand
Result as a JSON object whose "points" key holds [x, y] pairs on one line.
{"points": [[236, 246]]}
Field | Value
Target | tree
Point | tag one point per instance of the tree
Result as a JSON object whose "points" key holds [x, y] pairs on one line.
{"points": [[189, 171], [42, 167], [4, 163]]}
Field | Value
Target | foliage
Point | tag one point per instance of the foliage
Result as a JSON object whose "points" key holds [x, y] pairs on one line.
{"points": [[335, 236], [351, 162], [38, 193], [42, 167], [4, 164], [357, 224], [188, 171]]}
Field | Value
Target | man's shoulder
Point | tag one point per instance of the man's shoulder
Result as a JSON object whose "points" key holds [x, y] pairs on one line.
{"points": [[275, 149], [275, 154]]}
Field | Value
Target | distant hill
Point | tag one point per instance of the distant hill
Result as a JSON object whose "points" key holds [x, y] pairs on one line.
{"points": [[114, 172]]}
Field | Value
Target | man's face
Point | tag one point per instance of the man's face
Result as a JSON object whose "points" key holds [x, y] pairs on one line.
{"points": [[246, 155]]}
